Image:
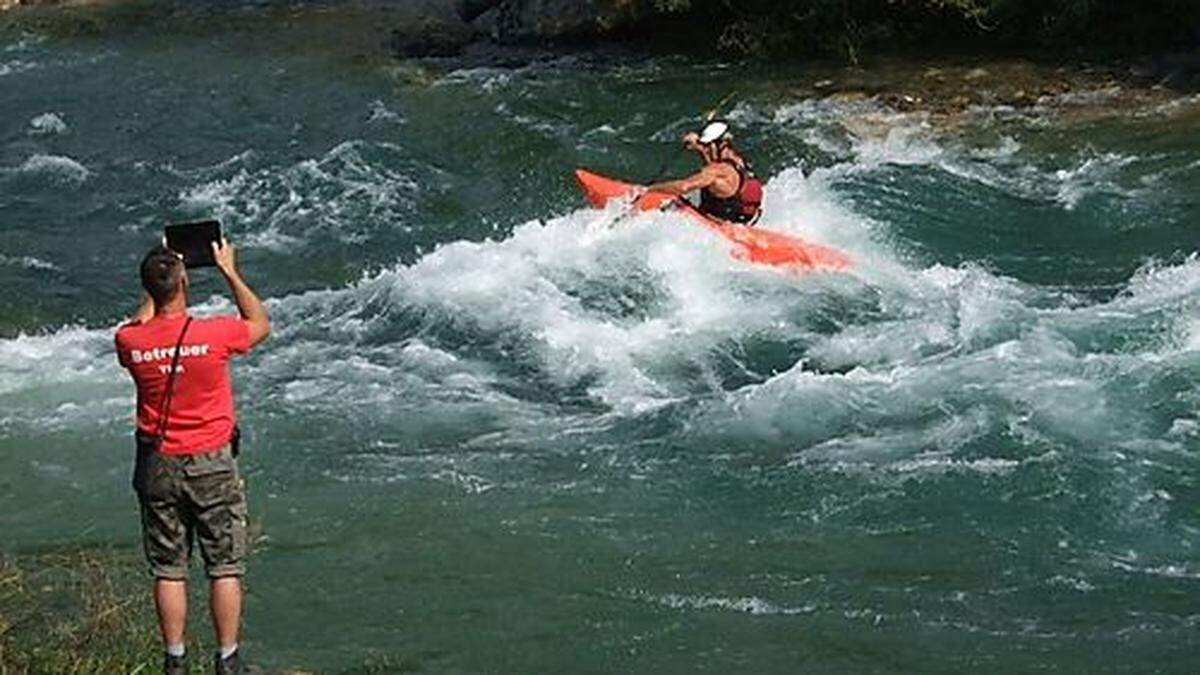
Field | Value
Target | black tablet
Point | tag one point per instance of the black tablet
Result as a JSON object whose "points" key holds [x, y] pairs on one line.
{"points": [[194, 241]]}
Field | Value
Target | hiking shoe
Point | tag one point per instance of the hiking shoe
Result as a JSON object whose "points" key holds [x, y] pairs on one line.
{"points": [[174, 665]]}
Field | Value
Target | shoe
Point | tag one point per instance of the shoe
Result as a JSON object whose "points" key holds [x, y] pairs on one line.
{"points": [[174, 665], [232, 665]]}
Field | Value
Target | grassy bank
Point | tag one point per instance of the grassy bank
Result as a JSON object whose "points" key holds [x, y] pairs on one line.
{"points": [[87, 610], [77, 611]]}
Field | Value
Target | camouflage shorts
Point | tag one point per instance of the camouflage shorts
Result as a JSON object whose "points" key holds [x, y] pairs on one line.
{"points": [[186, 498]]}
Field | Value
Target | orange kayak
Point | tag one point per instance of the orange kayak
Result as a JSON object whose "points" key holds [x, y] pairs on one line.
{"points": [[751, 244]]}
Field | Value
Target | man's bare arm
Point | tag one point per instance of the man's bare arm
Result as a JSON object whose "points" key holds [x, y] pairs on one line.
{"points": [[250, 307], [699, 181]]}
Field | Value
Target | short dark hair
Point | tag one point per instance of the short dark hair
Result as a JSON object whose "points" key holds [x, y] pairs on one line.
{"points": [[162, 271]]}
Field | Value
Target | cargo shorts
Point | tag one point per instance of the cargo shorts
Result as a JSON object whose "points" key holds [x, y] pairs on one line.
{"points": [[191, 498]]}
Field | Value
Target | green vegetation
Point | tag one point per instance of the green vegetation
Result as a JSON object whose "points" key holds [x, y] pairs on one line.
{"points": [[77, 611], [765, 28], [847, 27], [85, 611]]}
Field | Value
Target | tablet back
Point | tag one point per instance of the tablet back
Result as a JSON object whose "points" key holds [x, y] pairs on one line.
{"points": [[194, 241]]}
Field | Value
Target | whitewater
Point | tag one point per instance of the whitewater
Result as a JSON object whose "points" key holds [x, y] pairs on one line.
{"points": [[592, 442]]}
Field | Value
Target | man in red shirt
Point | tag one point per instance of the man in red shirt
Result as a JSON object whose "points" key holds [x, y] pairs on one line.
{"points": [[186, 474]]}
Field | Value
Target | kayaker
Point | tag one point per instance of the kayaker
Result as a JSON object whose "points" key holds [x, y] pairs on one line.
{"points": [[728, 190]]}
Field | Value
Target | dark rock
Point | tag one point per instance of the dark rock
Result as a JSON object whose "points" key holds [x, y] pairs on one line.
{"points": [[470, 10], [901, 102], [430, 39], [421, 28], [488, 23], [549, 20]]}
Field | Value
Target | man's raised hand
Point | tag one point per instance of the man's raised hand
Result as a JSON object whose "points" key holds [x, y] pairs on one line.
{"points": [[225, 257]]}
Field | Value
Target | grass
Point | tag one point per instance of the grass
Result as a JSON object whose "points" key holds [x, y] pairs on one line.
{"points": [[85, 610]]}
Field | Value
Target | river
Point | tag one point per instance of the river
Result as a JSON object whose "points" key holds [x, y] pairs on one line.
{"points": [[494, 432]]}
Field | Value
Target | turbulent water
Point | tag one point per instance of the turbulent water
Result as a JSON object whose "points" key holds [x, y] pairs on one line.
{"points": [[494, 432]]}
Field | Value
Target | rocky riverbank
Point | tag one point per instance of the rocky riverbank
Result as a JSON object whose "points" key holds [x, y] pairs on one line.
{"points": [[429, 36], [418, 28]]}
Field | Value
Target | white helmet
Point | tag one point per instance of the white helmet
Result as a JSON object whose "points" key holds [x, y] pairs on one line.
{"points": [[713, 132]]}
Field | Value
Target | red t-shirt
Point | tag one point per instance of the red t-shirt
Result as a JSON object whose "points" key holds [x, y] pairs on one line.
{"points": [[201, 417]]}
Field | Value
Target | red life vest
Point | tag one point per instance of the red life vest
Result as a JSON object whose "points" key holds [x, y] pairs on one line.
{"points": [[744, 206], [751, 196]]}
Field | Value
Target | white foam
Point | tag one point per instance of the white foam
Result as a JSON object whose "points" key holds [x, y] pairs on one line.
{"points": [[28, 262], [744, 604], [910, 142], [550, 129], [16, 66], [59, 168], [949, 343], [27, 42], [489, 79], [645, 313], [469, 483], [343, 194], [47, 124], [1092, 175], [379, 112], [1156, 282], [864, 137], [67, 379], [1073, 583]]}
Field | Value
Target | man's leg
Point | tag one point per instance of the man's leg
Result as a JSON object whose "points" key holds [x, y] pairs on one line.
{"points": [[225, 596], [167, 545], [170, 599], [219, 497]]}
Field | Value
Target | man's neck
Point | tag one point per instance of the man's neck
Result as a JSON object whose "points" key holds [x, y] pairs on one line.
{"points": [[176, 305]]}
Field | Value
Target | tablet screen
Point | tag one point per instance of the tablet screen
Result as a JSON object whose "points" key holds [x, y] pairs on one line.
{"points": [[194, 241]]}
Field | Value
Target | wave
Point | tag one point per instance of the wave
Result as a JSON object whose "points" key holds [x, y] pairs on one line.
{"points": [[863, 136], [969, 357], [59, 170], [49, 123], [747, 605], [16, 66], [354, 189], [29, 262], [68, 379], [574, 326]]}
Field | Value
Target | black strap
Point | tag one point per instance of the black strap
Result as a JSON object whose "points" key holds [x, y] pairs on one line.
{"points": [[164, 409]]}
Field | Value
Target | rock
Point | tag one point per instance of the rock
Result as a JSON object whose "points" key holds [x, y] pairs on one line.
{"points": [[523, 21], [470, 10], [430, 38], [532, 20], [487, 24], [901, 102], [1056, 88], [1020, 98], [419, 28]]}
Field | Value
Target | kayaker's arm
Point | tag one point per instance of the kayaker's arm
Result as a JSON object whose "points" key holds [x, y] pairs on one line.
{"points": [[699, 181]]}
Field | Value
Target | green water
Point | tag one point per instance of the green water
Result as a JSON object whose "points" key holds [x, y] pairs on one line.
{"points": [[492, 434]]}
